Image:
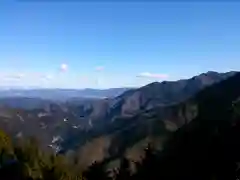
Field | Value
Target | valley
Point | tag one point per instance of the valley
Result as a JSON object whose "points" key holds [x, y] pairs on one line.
{"points": [[97, 128]]}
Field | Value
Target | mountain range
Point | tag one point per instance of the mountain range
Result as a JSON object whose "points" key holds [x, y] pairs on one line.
{"points": [[192, 138], [107, 128], [61, 94]]}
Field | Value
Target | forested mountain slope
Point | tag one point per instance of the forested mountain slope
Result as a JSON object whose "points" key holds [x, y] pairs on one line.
{"points": [[110, 128], [204, 146], [130, 135]]}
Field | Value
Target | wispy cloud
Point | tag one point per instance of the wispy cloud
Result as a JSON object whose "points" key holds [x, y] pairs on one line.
{"points": [[46, 77], [152, 75], [99, 68], [63, 67], [23, 77], [14, 76]]}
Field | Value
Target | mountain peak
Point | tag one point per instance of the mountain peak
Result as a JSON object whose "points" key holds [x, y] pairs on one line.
{"points": [[212, 72]]}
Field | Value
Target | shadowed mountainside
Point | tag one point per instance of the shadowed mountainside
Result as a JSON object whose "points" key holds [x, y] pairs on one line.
{"points": [[122, 125], [130, 134], [198, 139]]}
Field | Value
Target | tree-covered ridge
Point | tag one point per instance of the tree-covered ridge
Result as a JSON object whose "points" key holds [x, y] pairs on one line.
{"points": [[25, 160], [206, 148]]}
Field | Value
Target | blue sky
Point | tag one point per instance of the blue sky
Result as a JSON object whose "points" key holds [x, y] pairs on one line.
{"points": [[102, 45]]}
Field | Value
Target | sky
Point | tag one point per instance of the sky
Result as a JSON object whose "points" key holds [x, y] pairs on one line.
{"points": [[114, 44]]}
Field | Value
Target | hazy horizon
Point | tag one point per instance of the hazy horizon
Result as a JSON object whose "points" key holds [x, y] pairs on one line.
{"points": [[87, 88]]}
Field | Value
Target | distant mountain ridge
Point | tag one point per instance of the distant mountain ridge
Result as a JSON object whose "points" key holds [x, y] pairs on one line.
{"points": [[62, 94], [115, 125], [164, 93]]}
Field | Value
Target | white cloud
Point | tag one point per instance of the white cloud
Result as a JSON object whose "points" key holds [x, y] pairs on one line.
{"points": [[152, 75], [64, 67], [99, 68], [83, 79], [48, 77], [38, 76], [25, 79], [14, 76]]}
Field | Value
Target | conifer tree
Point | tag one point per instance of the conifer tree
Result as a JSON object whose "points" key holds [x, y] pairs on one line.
{"points": [[124, 170]]}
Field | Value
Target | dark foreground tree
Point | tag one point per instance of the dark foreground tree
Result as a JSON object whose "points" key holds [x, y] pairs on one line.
{"points": [[96, 171]]}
